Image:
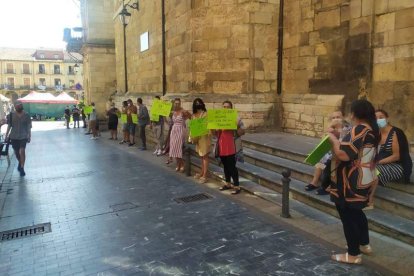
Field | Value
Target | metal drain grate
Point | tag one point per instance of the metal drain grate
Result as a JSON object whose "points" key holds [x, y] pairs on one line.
{"points": [[25, 232], [193, 198]]}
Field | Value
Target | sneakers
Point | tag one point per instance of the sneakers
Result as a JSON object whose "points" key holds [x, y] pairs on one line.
{"points": [[94, 138], [155, 152], [159, 152]]}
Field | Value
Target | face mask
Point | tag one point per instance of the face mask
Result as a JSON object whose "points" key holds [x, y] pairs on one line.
{"points": [[382, 123], [198, 106]]}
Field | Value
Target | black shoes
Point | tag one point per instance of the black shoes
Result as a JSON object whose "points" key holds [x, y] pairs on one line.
{"points": [[321, 191], [310, 187], [21, 170]]}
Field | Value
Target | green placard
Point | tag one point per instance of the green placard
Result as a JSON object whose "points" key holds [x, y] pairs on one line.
{"points": [[88, 109], [134, 118], [124, 118], [162, 108], [198, 127], [222, 119], [154, 117], [321, 149]]}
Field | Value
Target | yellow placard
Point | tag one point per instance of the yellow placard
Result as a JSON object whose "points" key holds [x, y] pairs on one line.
{"points": [[134, 118], [154, 117], [198, 127], [320, 150], [160, 107], [222, 119], [88, 109], [124, 118]]}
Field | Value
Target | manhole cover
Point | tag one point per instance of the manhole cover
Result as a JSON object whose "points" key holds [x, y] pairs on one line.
{"points": [[193, 198], [25, 232]]}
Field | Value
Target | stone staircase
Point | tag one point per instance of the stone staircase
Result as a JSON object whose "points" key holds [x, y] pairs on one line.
{"points": [[268, 154]]}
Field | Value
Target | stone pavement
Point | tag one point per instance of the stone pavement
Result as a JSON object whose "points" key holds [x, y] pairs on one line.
{"points": [[112, 212]]}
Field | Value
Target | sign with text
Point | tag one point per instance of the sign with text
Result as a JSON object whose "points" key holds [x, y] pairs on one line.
{"points": [[134, 118], [222, 119], [124, 118], [162, 108], [321, 149], [154, 117], [198, 127]]}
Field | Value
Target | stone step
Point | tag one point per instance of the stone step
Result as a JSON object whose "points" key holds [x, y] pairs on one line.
{"points": [[381, 221], [396, 202]]}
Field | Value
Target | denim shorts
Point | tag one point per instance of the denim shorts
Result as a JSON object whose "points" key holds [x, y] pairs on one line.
{"points": [[131, 128]]}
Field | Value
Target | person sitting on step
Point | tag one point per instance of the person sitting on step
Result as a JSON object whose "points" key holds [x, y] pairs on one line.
{"points": [[324, 168]]}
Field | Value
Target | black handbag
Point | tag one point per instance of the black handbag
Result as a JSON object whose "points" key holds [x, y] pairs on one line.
{"points": [[4, 148]]}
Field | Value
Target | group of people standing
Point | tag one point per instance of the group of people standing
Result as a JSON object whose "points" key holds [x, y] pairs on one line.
{"points": [[77, 114]]}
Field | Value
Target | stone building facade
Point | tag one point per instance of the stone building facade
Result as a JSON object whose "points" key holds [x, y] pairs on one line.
{"points": [[335, 51]]}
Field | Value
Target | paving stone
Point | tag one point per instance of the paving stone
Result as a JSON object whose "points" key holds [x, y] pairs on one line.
{"points": [[75, 183]]}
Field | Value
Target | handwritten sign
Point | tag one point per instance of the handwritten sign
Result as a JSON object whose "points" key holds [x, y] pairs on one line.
{"points": [[134, 118], [321, 149], [154, 117], [162, 108], [198, 127], [88, 109], [222, 119], [124, 118]]}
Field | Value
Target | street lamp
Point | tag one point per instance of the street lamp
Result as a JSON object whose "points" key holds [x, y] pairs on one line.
{"points": [[125, 16]]}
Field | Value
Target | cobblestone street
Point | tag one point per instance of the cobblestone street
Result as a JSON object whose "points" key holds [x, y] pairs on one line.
{"points": [[112, 212]]}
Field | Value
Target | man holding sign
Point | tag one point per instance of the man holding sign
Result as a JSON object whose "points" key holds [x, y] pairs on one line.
{"points": [[143, 121], [157, 126]]}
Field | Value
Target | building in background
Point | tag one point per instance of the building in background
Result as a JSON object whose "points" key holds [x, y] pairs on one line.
{"points": [[334, 52], [51, 70]]}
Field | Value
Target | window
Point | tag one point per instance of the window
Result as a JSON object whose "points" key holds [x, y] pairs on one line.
{"points": [[42, 69], [26, 68], [56, 69], [10, 83], [26, 82], [71, 70], [57, 82], [42, 81], [71, 83], [9, 68]]}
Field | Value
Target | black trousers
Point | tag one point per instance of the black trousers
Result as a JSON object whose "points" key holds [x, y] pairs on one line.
{"points": [[230, 169], [326, 175], [355, 226], [142, 136]]}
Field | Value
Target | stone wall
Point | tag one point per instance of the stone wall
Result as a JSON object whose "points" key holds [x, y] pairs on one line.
{"points": [[99, 77], [308, 114], [393, 78]]}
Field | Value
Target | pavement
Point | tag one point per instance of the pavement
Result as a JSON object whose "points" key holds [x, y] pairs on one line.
{"points": [[112, 211]]}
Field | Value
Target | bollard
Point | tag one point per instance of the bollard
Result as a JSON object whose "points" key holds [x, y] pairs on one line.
{"points": [[187, 161], [285, 193]]}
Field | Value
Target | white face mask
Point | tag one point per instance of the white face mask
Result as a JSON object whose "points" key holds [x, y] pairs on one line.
{"points": [[382, 123]]}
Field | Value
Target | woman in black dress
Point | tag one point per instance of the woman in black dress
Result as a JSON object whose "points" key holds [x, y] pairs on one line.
{"points": [[112, 114]]}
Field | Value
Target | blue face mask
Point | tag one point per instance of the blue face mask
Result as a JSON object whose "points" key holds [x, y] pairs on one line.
{"points": [[382, 123]]}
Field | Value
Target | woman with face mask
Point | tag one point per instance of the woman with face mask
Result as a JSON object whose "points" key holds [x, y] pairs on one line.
{"points": [[203, 143], [393, 160], [178, 134]]}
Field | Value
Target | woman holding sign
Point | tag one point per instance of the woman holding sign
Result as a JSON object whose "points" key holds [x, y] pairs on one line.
{"points": [[226, 147], [178, 134], [203, 142], [355, 176]]}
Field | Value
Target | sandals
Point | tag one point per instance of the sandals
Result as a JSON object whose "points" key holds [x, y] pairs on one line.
{"points": [[236, 191], [202, 180], [197, 176], [310, 187], [225, 187], [344, 258]]}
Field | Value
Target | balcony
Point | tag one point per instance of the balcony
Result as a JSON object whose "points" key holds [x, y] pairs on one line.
{"points": [[25, 87], [57, 72], [26, 72], [41, 72], [7, 86], [10, 71]]}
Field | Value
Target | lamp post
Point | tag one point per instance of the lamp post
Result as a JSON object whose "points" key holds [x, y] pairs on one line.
{"points": [[124, 16]]}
